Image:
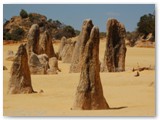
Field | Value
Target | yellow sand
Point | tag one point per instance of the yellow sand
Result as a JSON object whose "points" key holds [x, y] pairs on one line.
{"points": [[126, 95]]}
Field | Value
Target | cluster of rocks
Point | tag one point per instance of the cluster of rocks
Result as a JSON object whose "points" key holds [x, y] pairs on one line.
{"points": [[40, 51], [89, 95], [85, 59], [115, 52], [35, 57], [65, 51], [38, 57]]}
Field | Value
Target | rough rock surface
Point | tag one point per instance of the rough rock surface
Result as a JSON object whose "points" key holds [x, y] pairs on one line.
{"points": [[44, 60], [62, 44], [45, 45], [115, 53], [33, 40], [67, 52], [20, 81], [36, 65], [53, 64], [89, 95], [79, 47]]}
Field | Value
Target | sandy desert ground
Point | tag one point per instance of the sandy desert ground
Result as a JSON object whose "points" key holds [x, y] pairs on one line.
{"points": [[126, 95]]}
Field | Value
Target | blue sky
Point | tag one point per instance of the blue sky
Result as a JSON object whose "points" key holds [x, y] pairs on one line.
{"points": [[72, 14]]}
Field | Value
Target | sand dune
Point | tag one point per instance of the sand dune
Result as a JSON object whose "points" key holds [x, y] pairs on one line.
{"points": [[126, 95]]}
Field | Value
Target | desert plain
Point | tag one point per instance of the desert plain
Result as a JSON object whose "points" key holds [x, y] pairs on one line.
{"points": [[126, 94]]}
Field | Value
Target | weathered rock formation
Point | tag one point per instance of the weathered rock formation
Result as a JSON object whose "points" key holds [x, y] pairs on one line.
{"points": [[115, 53], [20, 81], [67, 51], [53, 64], [43, 58], [45, 45], [79, 47], [38, 64], [62, 44], [89, 95], [39, 51], [33, 40]]}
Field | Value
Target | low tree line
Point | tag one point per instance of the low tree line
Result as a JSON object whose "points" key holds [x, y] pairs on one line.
{"points": [[145, 26]]}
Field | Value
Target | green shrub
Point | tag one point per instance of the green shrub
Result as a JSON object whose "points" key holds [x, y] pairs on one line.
{"points": [[23, 14], [50, 20], [77, 32], [146, 24], [7, 36], [31, 17], [16, 34], [102, 34], [34, 18], [132, 37], [69, 31]]}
